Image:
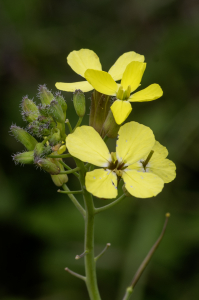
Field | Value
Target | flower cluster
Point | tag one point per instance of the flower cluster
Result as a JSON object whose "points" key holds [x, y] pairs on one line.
{"points": [[139, 160]]}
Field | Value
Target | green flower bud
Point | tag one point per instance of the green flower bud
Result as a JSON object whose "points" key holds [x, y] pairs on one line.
{"points": [[60, 99], [56, 112], [44, 110], [24, 157], [30, 111], [79, 103], [45, 95], [41, 150], [48, 166], [24, 137], [55, 138], [110, 127], [60, 179]]}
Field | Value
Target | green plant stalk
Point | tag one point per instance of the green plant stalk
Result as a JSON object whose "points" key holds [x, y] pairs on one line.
{"points": [[90, 265]]}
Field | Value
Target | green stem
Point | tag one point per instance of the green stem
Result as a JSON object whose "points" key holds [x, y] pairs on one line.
{"points": [[60, 156], [90, 265], [78, 123], [70, 171], [100, 209], [70, 192], [67, 167], [69, 126], [74, 200]]}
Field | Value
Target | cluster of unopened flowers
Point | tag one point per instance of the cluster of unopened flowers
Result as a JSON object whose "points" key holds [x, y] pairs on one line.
{"points": [[139, 160]]}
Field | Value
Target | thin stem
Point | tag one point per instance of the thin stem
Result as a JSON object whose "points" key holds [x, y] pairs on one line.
{"points": [[90, 266], [147, 159], [70, 171], [74, 200], [75, 274], [103, 208], [69, 126], [78, 123], [103, 251], [145, 262], [60, 156], [69, 192], [67, 167]]}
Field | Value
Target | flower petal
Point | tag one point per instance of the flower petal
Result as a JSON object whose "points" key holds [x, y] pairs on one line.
{"points": [[84, 86], [121, 110], [160, 150], [101, 81], [86, 144], [134, 142], [142, 185], [133, 75], [82, 60], [152, 92], [162, 167], [117, 70], [102, 183]]}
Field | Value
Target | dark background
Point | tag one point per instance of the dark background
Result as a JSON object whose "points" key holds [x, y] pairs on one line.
{"points": [[40, 231]]}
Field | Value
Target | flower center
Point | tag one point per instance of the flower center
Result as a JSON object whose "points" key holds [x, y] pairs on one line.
{"points": [[116, 166], [123, 94]]}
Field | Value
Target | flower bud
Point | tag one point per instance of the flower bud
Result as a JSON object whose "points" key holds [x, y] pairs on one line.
{"points": [[55, 138], [56, 112], [41, 151], [24, 157], [79, 103], [48, 166], [60, 99], [59, 179], [44, 110], [110, 127], [45, 95], [30, 111], [24, 137]]}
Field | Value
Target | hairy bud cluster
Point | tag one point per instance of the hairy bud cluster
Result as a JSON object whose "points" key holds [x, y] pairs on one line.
{"points": [[46, 121]]}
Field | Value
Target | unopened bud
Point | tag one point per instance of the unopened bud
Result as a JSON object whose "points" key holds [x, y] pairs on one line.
{"points": [[79, 103], [41, 150], [60, 99], [110, 127], [59, 179], [56, 112], [48, 166], [24, 137], [24, 157], [44, 110], [29, 109], [55, 138], [45, 95]]}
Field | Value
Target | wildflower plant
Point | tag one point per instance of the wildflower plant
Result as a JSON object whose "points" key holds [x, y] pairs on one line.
{"points": [[139, 162]]}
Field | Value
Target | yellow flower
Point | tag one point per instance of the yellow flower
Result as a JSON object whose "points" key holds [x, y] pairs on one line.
{"points": [[104, 83], [134, 144], [85, 59]]}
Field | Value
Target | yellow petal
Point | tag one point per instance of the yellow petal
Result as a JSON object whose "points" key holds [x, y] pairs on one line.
{"points": [[162, 167], [133, 75], [134, 142], [121, 110], [86, 144], [102, 82], [102, 183], [62, 149], [142, 185], [84, 86], [152, 92], [117, 70], [82, 60], [160, 150]]}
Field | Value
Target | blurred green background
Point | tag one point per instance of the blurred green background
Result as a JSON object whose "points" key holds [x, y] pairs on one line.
{"points": [[40, 231]]}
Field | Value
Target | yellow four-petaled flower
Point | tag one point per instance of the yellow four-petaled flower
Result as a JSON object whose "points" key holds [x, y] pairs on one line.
{"points": [[134, 144]]}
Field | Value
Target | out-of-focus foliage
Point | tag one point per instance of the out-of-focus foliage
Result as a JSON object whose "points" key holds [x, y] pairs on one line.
{"points": [[41, 231]]}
